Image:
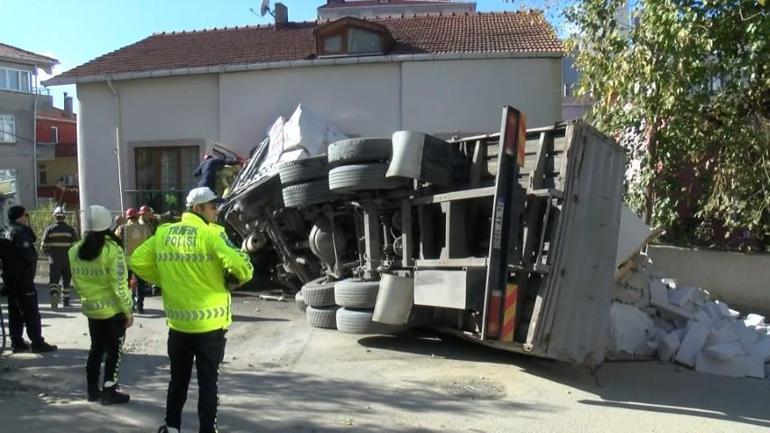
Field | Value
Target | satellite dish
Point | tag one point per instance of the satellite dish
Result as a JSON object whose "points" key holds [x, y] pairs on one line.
{"points": [[265, 8]]}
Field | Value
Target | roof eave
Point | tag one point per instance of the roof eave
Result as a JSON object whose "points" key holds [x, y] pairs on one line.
{"points": [[45, 65], [61, 80]]}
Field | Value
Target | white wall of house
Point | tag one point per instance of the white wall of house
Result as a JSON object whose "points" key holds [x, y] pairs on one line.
{"points": [[440, 97]]}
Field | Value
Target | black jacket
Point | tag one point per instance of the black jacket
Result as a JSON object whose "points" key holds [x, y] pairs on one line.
{"points": [[22, 261]]}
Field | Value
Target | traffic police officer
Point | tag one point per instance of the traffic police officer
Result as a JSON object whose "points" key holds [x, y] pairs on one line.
{"points": [[99, 268], [57, 240], [193, 261]]}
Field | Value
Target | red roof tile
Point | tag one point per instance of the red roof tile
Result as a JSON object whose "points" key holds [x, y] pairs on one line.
{"points": [[518, 32], [24, 56]]}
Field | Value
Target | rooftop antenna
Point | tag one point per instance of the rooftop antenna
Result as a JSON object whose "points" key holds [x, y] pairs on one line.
{"points": [[263, 9]]}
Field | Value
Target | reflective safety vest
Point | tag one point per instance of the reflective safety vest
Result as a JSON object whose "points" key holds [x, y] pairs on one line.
{"points": [[189, 261], [102, 283]]}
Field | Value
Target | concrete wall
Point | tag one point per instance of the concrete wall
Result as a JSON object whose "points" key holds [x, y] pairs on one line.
{"points": [[236, 109], [19, 156], [358, 99], [466, 96], [739, 279]]}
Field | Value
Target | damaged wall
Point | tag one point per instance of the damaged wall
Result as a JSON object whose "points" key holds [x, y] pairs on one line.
{"points": [[736, 278]]}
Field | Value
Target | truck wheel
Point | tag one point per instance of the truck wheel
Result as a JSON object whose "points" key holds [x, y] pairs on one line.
{"points": [[362, 177], [322, 317], [307, 194], [318, 293], [354, 293], [300, 300], [353, 321], [356, 150], [303, 170]]}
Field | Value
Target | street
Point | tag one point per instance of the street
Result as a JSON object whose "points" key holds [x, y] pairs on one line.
{"points": [[280, 375]]}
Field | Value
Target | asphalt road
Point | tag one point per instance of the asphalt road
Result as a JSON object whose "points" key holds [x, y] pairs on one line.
{"points": [[281, 376]]}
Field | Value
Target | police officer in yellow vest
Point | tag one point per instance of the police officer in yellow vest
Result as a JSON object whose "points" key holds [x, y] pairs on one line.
{"points": [[193, 261], [99, 271]]}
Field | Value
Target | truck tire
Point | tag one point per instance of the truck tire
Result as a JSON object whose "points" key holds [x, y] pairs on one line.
{"points": [[307, 194], [303, 170], [300, 300], [357, 321], [322, 317], [354, 293], [362, 177], [356, 150], [318, 293]]}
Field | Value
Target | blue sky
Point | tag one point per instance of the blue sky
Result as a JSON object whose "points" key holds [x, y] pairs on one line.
{"points": [[76, 31]]}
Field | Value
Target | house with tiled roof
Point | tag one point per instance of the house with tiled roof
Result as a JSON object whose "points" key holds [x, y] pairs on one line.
{"points": [[161, 101], [20, 98]]}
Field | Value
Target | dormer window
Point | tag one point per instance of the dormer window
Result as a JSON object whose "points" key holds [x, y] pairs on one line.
{"points": [[352, 37]]}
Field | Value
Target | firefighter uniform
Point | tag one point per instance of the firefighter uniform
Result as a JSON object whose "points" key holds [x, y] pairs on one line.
{"points": [[106, 300], [190, 261], [57, 240], [133, 233]]}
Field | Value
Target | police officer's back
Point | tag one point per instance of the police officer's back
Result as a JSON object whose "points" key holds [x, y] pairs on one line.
{"points": [[191, 261]]}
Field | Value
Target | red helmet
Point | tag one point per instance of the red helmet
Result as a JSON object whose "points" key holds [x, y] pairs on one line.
{"points": [[131, 213], [145, 209]]}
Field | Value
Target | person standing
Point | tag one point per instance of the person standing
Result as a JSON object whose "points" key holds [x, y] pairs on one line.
{"points": [[147, 217], [99, 270], [57, 240], [193, 261], [132, 234], [19, 277]]}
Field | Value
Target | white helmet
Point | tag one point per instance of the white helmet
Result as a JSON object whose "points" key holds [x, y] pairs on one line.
{"points": [[98, 219], [59, 211]]}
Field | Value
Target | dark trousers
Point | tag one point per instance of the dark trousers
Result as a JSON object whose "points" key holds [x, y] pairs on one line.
{"points": [[107, 337], [208, 351], [59, 270], [23, 311], [140, 292]]}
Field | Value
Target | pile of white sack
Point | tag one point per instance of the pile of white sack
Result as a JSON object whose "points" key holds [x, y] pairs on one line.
{"points": [[654, 316]]}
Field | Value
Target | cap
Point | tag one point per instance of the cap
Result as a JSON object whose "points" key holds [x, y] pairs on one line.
{"points": [[59, 211], [202, 195], [99, 218]]}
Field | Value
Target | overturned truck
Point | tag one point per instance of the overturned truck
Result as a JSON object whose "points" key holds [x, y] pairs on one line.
{"points": [[506, 239]]}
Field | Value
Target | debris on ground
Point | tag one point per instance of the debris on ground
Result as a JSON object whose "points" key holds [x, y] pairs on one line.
{"points": [[654, 316]]}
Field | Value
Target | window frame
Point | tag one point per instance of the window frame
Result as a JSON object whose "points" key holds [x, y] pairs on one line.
{"points": [[55, 134], [6, 72], [4, 134]]}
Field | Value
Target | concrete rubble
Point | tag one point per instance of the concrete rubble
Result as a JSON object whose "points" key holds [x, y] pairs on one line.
{"points": [[653, 316]]}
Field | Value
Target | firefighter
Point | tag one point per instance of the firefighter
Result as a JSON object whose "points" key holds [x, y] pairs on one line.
{"points": [[57, 240], [19, 278], [132, 234], [147, 216], [193, 261], [99, 269]]}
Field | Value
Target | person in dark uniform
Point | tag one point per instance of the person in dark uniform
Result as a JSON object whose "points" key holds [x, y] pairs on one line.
{"points": [[19, 278], [208, 169], [57, 240]]}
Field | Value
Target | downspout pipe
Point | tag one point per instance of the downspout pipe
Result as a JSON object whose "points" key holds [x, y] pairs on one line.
{"points": [[118, 146], [34, 147]]}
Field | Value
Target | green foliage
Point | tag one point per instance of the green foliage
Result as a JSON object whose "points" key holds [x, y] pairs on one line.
{"points": [[686, 88]]}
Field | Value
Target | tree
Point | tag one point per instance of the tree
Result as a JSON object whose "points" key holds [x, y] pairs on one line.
{"points": [[686, 88]]}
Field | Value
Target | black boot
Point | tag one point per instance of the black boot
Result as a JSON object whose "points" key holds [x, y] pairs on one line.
{"points": [[43, 347], [111, 395], [94, 394], [20, 347], [65, 301]]}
